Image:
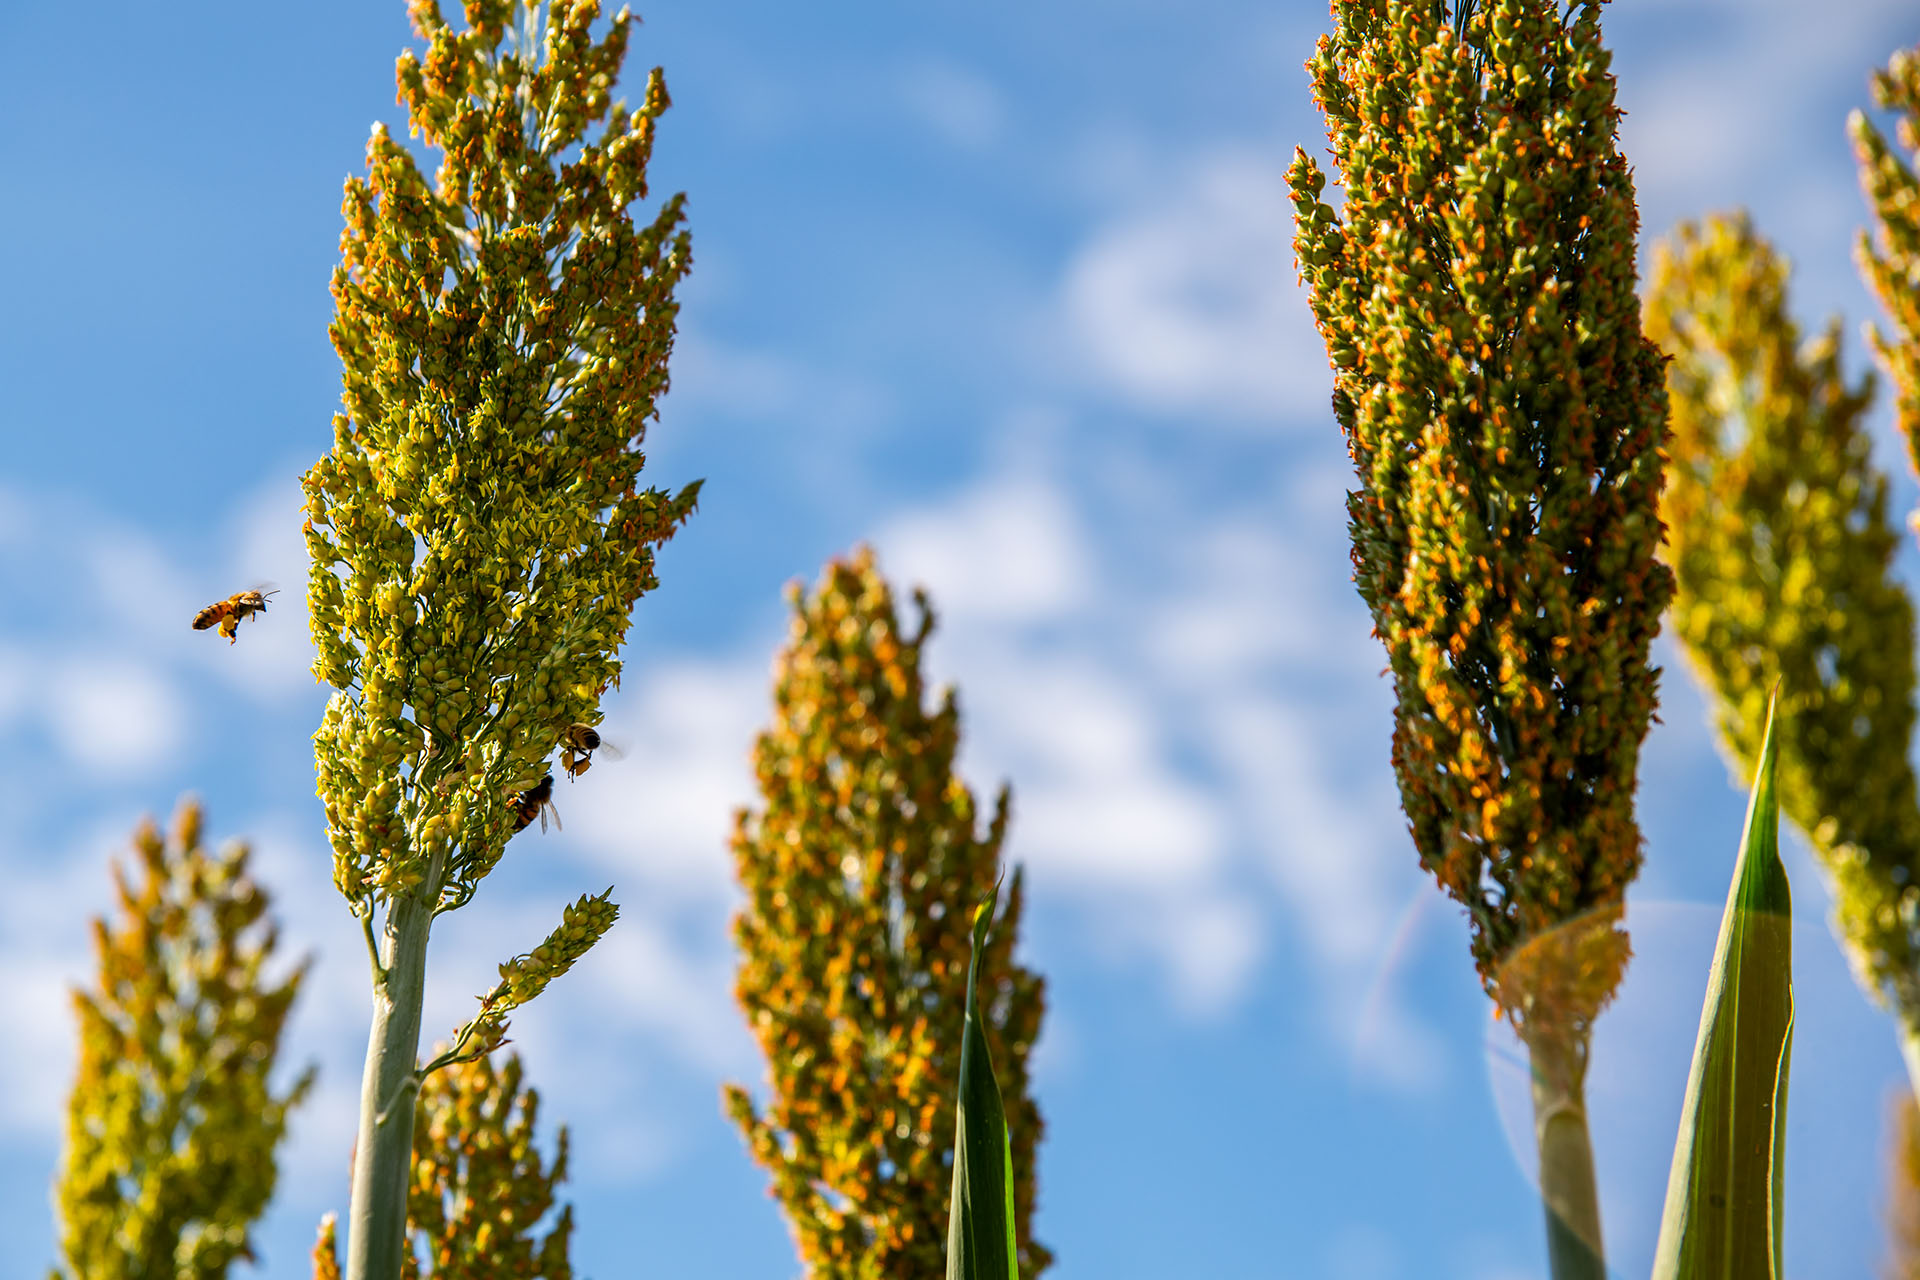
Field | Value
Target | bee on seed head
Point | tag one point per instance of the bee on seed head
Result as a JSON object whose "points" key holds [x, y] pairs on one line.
{"points": [[577, 746], [535, 802]]}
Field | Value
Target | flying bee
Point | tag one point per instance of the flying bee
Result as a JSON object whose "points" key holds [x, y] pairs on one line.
{"points": [[535, 802], [577, 746], [227, 614]]}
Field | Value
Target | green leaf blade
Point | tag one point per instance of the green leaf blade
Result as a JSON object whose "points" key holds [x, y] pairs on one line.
{"points": [[1724, 1208], [980, 1229]]}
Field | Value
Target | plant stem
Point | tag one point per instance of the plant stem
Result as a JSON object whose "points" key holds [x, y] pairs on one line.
{"points": [[383, 1152], [1567, 1185]]}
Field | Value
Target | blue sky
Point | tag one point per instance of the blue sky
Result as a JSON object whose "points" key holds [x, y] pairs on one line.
{"points": [[1005, 290]]}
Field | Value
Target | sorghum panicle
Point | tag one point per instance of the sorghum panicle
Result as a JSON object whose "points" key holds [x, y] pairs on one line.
{"points": [[1903, 1190], [1504, 415], [326, 1251], [481, 1203], [1890, 258], [173, 1122], [861, 868], [477, 534], [481, 1189], [1778, 533], [583, 923]]}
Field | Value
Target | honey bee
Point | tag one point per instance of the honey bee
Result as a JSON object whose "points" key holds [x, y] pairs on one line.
{"points": [[227, 614], [577, 746], [535, 802]]}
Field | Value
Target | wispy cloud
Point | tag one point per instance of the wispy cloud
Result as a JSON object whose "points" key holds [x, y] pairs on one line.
{"points": [[112, 715], [1165, 777], [960, 105], [1186, 302], [664, 812]]}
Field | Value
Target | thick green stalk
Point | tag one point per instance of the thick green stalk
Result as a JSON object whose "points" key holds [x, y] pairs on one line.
{"points": [[1567, 1185], [383, 1152]]}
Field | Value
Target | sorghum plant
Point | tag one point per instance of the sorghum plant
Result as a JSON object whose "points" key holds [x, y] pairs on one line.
{"points": [[173, 1121], [1778, 534], [481, 1190], [1903, 1189], [1504, 415], [326, 1251], [476, 532], [859, 868], [1879, 890], [1890, 260]]}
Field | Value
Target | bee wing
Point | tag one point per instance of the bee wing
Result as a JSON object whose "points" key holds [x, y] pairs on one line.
{"points": [[546, 809], [613, 751]]}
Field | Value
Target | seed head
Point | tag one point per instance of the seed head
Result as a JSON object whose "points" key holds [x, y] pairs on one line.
{"points": [[1504, 415], [478, 533]]}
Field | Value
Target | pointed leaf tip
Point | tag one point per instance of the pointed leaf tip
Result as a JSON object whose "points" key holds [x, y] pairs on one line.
{"points": [[981, 1238], [1724, 1209]]}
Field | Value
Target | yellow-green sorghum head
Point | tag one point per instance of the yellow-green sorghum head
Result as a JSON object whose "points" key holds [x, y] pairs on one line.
{"points": [[1504, 415], [482, 1202], [477, 533], [481, 1199], [173, 1123], [1890, 260], [582, 924], [1778, 534], [860, 866]]}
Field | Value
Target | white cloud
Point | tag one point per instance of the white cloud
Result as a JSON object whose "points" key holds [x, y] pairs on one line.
{"points": [[664, 812], [1256, 597], [640, 978], [118, 707], [113, 715], [1339, 852], [1213, 944], [1008, 552], [16, 683], [1761, 124], [1179, 759], [960, 106], [44, 951], [1129, 827], [145, 597], [16, 517], [1096, 805], [274, 653], [42, 1041], [1401, 1049], [1100, 813], [1189, 304]]}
